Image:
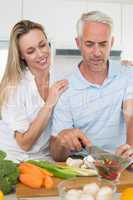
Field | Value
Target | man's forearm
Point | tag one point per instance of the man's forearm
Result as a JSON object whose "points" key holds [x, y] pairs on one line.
{"points": [[130, 135], [59, 153]]}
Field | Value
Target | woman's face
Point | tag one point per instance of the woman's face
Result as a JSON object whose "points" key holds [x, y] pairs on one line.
{"points": [[34, 49]]}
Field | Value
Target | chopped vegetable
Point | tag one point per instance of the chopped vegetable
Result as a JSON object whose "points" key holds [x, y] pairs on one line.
{"points": [[2, 155], [48, 182], [31, 180], [110, 166], [28, 168], [74, 162], [57, 171], [34, 176], [1, 195], [127, 194], [8, 175]]}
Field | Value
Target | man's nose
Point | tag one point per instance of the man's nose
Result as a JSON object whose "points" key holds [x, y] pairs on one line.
{"points": [[96, 51]]}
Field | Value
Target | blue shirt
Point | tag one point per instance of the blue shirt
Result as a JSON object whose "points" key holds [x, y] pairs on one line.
{"points": [[96, 109]]}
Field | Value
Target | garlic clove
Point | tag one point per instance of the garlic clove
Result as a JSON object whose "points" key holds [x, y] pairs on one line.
{"points": [[91, 188]]}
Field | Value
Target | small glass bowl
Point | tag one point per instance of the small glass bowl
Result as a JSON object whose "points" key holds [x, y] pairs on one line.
{"points": [[110, 166], [76, 186]]}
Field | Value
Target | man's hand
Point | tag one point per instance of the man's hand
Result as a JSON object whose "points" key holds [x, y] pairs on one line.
{"points": [[73, 139], [67, 141]]}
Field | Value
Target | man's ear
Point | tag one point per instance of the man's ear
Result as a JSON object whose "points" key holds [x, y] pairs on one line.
{"points": [[112, 41], [77, 39]]}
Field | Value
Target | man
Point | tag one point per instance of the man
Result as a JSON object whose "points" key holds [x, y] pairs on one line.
{"points": [[97, 107]]}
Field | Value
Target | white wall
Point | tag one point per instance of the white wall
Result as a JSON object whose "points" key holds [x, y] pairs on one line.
{"points": [[30, 9], [3, 58]]}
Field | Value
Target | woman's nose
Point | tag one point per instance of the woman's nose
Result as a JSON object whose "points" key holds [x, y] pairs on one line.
{"points": [[39, 52]]}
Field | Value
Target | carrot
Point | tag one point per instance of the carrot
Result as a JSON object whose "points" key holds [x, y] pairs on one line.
{"points": [[34, 176], [48, 182], [45, 172], [26, 167], [31, 180]]}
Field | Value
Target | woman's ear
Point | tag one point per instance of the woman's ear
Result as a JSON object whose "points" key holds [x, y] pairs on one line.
{"points": [[22, 57], [22, 60]]}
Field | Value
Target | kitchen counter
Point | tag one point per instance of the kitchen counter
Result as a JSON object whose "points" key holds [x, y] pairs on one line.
{"points": [[13, 197], [126, 180]]}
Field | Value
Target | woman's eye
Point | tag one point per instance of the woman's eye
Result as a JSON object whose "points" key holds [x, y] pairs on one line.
{"points": [[43, 45], [30, 52]]}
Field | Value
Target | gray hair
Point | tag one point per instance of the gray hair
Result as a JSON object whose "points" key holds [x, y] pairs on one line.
{"points": [[93, 16]]}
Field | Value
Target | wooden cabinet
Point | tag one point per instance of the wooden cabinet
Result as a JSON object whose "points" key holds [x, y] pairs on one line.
{"points": [[60, 17], [10, 13]]}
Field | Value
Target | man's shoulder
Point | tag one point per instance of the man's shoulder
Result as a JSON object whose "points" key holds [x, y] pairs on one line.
{"points": [[72, 85], [121, 70]]}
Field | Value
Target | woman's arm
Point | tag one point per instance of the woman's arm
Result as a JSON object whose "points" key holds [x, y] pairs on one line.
{"points": [[29, 137]]}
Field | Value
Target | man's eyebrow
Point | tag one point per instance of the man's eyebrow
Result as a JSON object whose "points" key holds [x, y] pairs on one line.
{"points": [[89, 41], [103, 42], [92, 42]]}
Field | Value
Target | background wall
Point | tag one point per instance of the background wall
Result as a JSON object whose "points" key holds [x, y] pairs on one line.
{"points": [[59, 19]]}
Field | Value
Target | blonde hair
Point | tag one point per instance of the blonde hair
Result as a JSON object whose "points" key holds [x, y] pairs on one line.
{"points": [[93, 16], [15, 65]]}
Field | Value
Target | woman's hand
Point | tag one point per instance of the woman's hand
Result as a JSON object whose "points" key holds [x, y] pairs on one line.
{"points": [[55, 91], [126, 151], [127, 62]]}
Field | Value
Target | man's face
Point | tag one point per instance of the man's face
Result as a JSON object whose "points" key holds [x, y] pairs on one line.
{"points": [[95, 45]]}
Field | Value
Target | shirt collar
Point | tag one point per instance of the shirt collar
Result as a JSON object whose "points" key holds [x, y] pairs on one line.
{"points": [[115, 69]]}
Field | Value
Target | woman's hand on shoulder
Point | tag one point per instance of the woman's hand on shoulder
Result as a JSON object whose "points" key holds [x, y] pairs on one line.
{"points": [[55, 91]]}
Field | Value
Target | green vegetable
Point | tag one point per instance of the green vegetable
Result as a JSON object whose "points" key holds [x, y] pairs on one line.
{"points": [[64, 172], [2, 154], [58, 171], [8, 175]]}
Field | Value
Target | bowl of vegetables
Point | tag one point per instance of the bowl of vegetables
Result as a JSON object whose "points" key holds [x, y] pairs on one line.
{"points": [[108, 165], [85, 189]]}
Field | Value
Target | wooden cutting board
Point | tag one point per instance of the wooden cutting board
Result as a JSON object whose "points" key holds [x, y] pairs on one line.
{"points": [[126, 180]]}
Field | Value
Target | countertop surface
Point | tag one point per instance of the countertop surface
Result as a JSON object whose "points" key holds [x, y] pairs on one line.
{"points": [[13, 197], [126, 180]]}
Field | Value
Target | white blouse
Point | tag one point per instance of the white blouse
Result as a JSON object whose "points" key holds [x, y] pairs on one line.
{"points": [[17, 115]]}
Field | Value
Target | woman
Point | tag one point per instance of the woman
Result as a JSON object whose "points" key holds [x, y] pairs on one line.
{"points": [[26, 100]]}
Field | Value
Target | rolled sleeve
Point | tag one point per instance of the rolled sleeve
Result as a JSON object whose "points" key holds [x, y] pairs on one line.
{"points": [[14, 114]]}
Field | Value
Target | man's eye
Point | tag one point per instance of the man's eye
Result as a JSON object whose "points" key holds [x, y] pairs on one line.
{"points": [[89, 45], [103, 44]]}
